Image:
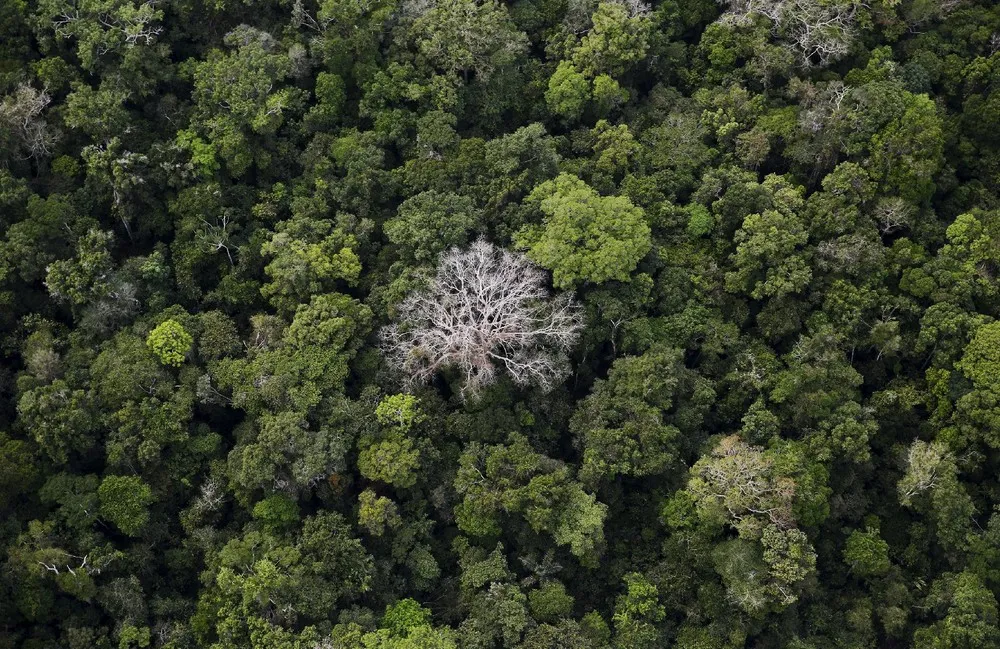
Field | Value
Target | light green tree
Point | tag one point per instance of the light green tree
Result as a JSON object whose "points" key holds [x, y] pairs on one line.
{"points": [[170, 342], [866, 553], [307, 256], [568, 91], [584, 237]]}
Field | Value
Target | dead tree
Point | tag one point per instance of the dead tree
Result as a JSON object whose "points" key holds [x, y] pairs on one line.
{"points": [[486, 310], [892, 214], [22, 112], [819, 32]]}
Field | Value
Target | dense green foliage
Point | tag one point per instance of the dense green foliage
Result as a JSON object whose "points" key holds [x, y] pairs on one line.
{"points": [[721, 370]]}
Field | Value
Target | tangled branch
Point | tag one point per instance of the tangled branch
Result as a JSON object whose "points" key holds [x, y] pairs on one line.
{"points": [[486, 309]]}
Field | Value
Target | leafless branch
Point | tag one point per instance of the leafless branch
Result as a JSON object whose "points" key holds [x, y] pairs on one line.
{"points": [[22, 112], [820, 32], [892, 214], [486, 309]]}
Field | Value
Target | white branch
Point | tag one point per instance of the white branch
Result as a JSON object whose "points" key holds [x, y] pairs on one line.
{"points": [[486, 308]]}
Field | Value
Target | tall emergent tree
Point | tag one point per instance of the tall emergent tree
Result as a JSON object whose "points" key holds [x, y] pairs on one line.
{"points": [[485, 309]]}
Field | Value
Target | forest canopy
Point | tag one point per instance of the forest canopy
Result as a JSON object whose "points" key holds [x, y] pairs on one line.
{"points": [[499, 324]]}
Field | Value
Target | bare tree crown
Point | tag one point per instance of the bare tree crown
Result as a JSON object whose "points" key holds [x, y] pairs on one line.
{"points": [[821, 32], [486, 310]]}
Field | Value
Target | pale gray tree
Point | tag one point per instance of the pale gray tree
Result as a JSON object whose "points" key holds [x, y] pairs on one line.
{"points": [[819, 31], [486, 310], [21, 113], [925, 463]]}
